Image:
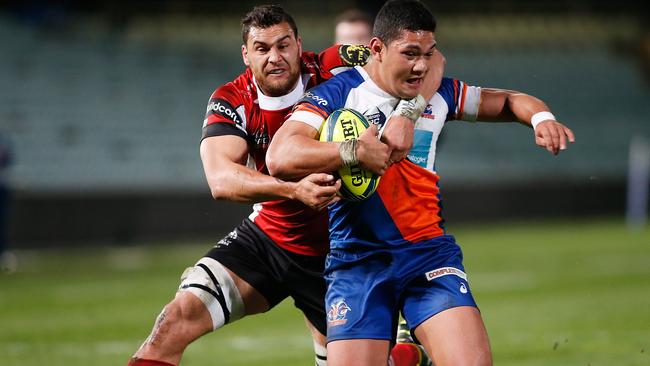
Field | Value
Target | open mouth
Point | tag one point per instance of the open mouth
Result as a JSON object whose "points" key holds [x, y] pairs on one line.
{"points": [[414, 82], [276, 72]]}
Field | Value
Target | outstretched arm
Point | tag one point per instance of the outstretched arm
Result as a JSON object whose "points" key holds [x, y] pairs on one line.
{"points": [[224, 159], [500, 105]]}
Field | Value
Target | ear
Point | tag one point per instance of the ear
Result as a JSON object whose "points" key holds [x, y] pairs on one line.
{"points": [[244, 55], [376, 47]]}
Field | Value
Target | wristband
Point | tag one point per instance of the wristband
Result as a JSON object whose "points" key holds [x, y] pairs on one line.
{"points": [[541, 117], [348, 152], [411, 108]]}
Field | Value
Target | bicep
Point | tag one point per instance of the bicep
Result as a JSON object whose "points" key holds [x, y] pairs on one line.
{"points": [[494, 104], [219, 150], [292, 129]]}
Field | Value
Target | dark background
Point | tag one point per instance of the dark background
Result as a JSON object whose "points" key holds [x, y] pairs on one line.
{"points": [[103, 103]]}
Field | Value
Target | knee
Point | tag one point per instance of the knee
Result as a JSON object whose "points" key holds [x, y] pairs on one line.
{"points": [[189, 314], [184, 319]]}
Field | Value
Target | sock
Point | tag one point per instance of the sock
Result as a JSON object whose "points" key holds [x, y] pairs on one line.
{"points": [[143, 362], [405, 354]]}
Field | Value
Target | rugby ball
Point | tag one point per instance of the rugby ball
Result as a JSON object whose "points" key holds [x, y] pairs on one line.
{"points": [[345, 124]]}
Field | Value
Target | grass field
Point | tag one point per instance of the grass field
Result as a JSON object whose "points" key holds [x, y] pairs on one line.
{"points": [[554, 293]]}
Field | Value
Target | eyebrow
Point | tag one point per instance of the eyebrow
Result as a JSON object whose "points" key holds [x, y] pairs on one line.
{"points": [[417, 47], [276, 41]]}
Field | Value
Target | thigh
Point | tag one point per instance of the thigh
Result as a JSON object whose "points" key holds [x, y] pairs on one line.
{"points": [[306, 285], [362, 298], [437, 282], [358, 352], [456, 337], [248, 255]]}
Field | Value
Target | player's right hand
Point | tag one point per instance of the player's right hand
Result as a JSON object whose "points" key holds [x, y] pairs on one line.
{"points": [[318, 190], [373, 155]]}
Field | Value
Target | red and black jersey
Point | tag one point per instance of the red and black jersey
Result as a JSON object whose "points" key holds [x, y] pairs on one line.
{"points": [[238, 108]]}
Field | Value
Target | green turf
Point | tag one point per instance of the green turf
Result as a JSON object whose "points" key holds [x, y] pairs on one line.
{"points": [[558, 293]]}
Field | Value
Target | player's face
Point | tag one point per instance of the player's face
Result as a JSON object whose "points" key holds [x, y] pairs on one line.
{"points": [[405, 62], [273, 54]]}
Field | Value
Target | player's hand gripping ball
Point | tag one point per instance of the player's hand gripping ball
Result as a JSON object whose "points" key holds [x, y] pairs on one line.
{"points": [[346, 124]]}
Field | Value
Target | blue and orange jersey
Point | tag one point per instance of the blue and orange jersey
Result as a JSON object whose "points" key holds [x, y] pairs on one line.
{"points": [[406, 207]]}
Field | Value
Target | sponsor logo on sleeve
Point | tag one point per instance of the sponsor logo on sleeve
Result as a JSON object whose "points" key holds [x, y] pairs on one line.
{"points": [[338, 312], [354, 55], [317, 98], [222, 108]]}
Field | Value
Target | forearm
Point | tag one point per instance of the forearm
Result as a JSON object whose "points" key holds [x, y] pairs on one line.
{"points": [[524, 106], [295, 156], [241, 184]]}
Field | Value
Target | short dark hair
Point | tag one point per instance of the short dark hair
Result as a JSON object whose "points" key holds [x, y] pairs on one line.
{"points": [[265, 16], [354, 16], [398, 15]]}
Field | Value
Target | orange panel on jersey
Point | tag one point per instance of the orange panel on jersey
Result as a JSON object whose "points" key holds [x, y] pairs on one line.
{"points": [[410, 195]]}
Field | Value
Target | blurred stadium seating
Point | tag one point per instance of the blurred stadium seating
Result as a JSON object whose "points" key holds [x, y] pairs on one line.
{"points": [[106, 117]]}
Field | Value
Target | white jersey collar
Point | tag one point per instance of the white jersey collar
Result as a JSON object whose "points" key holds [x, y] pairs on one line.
{"points": [[282, 102]]}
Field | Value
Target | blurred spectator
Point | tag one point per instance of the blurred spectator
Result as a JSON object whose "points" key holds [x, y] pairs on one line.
{"points": [[7, 259], [353, 27]]}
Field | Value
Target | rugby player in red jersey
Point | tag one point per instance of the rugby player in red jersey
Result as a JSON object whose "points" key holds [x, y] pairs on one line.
{"points": [[279, 250]]}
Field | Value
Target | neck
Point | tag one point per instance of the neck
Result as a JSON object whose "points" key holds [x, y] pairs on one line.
{"points": [[373, 68], [280, 102]]}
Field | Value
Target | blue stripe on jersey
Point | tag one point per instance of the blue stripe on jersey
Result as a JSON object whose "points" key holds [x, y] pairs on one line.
{"points": [[419, 154], [447, 92], [331, 95]]}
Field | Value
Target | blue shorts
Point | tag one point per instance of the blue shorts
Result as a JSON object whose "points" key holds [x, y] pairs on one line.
{"points": [[367, 287]]}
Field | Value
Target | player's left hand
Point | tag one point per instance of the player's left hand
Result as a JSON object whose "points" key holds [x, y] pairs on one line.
{"points": [[553, 136], [317, 190], [434, 75]]}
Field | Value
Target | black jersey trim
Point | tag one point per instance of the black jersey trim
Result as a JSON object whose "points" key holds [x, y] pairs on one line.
{"points": [[221, 129]]}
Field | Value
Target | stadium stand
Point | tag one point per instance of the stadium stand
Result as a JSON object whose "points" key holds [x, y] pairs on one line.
{"points": [[97, 111]]}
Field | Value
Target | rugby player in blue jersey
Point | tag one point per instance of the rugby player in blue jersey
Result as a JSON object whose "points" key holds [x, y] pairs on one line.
{"points": [[390, 252]]}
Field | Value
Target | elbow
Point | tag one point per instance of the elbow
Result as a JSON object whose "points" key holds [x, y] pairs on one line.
{"points": [[218, 193], [219, 189], [274, 162], [275, 166]]}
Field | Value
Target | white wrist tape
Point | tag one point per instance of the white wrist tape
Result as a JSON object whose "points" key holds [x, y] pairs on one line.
{"points": [[411, 108], [348, 152], [541, 117]]}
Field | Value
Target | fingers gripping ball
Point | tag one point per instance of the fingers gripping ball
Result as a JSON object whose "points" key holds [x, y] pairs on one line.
{"points": [[342, 125]]}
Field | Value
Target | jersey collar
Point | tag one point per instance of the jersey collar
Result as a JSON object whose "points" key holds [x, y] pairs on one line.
{"points": [[282, 102]]}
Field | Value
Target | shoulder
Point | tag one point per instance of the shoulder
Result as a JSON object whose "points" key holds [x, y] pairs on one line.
{"points": [[236, 91], [461, 98], [332, 93], [337, 59]]}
